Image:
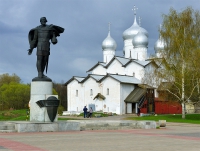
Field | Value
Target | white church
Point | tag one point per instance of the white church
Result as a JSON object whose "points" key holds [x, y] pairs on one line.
{"points": [[114, 85]]}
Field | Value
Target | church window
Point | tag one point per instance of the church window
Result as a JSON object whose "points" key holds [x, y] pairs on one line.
{"points": [[91, 92], [76, 92], [107, 91], [133, 74]]}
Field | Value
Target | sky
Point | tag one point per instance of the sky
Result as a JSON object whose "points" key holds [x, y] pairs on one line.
{"points": [[86, 26]]}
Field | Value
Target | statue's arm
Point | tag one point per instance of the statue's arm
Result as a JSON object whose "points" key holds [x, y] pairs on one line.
{"points": [[33, 43], [54, 39]]}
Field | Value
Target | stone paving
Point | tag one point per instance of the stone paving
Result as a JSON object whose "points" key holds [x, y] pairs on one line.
{"points": [[174, 137]]}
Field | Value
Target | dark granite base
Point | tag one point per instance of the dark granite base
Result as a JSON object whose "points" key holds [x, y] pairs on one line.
{"points": [[42, 79]]}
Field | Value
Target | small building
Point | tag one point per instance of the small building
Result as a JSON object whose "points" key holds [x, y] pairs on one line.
{"points": [[163, 107]]}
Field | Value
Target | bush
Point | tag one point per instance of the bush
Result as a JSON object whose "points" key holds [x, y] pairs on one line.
{"points": [[60, 109]]}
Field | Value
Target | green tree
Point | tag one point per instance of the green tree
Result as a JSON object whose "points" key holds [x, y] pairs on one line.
{"points": [[14, 95], [62, 93], [6, 79], [181, 34]]}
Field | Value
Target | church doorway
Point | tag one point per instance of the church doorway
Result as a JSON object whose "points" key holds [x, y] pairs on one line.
{"points": [[133, 108], [130, 108]]}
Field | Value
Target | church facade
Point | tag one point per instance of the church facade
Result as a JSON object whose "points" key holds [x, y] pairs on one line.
{"points": [[110, 83]]}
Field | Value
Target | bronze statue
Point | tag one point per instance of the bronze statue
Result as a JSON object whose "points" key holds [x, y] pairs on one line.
{"points": [[40, 37]]}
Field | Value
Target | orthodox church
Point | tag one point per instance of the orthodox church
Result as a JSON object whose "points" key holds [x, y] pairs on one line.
{"points": [[115, 85]]}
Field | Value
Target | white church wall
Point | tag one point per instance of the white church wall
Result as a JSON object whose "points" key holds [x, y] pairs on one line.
{"points": [[150, 67], [100, 70], [75, 96], [91, 89], [150, 77], [108, 55], [140, 54], [134, 68], [99, 104], [125, 90], [111, 90], [128, 48], [115, 68]]}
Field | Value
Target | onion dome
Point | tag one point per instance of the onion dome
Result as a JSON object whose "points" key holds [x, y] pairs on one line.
{"points": [[140, 40], [109, 43], [159, 45], [133, 30], [144, 31]]}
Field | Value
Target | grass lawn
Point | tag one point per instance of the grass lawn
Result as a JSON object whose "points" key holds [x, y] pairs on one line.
{"points": [[13, 115], [189, 118], [65, 119], [21, 115]]}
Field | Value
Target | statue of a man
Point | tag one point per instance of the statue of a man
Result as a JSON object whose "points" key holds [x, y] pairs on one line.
{"points": [[40, 37]]}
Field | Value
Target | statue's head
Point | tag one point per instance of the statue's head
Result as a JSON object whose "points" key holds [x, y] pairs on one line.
{"points": [[43, 20]]}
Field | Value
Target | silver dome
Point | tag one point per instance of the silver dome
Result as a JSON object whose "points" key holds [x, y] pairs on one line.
{"points": [[144, 31], [109, 43], [140, 40], [133, 30], [159, 45]]}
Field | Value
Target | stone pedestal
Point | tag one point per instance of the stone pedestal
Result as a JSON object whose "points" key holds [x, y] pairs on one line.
{"points": [[40, 90]]}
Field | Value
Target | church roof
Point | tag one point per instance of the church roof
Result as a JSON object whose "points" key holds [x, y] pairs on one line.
{"points": [[159, 61], [79, 79], [123, 78], [98, 63], [124, 62], [94, 76], [142, 63], [97, 77], [135, 95], [99, 95]]}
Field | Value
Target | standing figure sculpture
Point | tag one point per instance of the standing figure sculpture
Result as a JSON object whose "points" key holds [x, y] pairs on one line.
{"points": [[40, 37]]}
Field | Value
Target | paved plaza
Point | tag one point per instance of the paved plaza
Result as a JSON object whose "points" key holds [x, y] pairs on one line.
{"points": [[174, 137]]}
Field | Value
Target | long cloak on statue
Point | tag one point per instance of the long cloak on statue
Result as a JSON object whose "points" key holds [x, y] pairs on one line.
{"points": [[33, 42], [57, 29]]}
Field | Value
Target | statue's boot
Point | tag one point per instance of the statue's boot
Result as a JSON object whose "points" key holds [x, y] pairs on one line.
{"points": [[44, 76]]}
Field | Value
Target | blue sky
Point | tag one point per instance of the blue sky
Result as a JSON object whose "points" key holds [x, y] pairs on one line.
{"points": [[86, 26]]}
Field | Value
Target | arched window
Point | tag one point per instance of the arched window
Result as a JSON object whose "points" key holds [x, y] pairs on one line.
{"points": [[76, 92], [91, 92], [133, 74], [107, 91]]}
